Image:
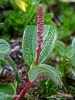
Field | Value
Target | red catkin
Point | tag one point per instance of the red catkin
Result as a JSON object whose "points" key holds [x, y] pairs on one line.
{"points": [[40, 24]]}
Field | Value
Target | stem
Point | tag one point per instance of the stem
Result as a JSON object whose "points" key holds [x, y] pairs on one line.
{"points": [[27, 86], [40, 24]]}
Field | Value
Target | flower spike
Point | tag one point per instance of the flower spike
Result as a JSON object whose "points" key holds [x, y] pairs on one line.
{"points": [[40, 25]]}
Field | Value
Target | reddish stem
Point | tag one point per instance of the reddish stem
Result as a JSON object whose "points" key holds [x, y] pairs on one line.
{"points": [[24, 90], [27, 87], [40, 24]]}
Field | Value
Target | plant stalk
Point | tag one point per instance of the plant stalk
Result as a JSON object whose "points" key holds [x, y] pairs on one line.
{"points": [[27, 86], [40, 24]]}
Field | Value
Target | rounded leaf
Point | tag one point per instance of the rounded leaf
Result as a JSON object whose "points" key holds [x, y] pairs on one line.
{"points": [[60, 48], [7, 91], [69, 52], [44, 69], [4, 47]]}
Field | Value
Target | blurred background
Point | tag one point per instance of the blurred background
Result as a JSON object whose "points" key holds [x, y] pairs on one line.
{"points": [[15, 15]]}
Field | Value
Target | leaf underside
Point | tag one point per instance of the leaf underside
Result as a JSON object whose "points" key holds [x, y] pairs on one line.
{"points": [[44, 69]]}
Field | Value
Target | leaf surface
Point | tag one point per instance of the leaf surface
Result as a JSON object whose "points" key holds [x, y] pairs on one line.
{"points": [[69, 52], [3, 62], [29, 43], [7, 91], [49, 39], [44, 69], [61, 48], [4, 47]]}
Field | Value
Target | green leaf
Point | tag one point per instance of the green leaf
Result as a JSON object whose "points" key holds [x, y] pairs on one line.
{"points": [[46, 87], [69, 52], [48, 17], [45, 70], [7, 91], [73, 60], [3, 62], [73, 43], [50, 35], [14, 66], [4, 47], [71, 90], [5, 36], [61, 48], [29, 43]]}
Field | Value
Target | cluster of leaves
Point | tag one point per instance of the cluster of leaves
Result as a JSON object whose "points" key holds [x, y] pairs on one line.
{"points": [[66, 20], [7, 91], [65, 58], [13, 20], [16, 14], [66, 63], [64, 17], [66, 54], [47, 88]]}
